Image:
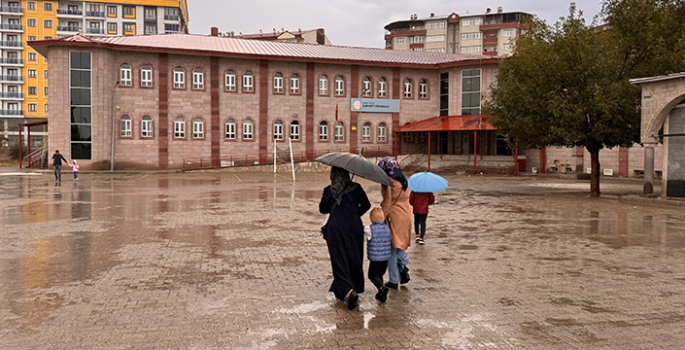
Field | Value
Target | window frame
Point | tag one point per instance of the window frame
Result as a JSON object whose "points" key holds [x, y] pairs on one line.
{"points": [[339, 86], [339, 126], [382, 87], [278, 130], [367, 86], [382, 132], [227, 86], [125, 127], [248, 82], [179, 128], [146, 76], [146, 126], [234, 126], [408, 87], [323, 131], [278, 84], [295, 80], [295, 130], [366, 132], [198, 79], [179, 78], [324, 85], [198, 128], [423, 89], [248, 129], [125, 78]]}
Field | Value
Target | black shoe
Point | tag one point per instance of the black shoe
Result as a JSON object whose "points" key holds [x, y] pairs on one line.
{"points": [[352, 300], [392, 285], [404, 276], [382, 294]]}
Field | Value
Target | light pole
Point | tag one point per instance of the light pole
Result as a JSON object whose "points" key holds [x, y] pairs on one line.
{"points": [[114, 127], [359, 115]]}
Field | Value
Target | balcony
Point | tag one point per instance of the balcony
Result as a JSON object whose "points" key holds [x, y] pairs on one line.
{"points": [[12, 78], [170, 17], [13, 10], [4, 60], [69, 12], [11, 26], [11, 43], [95, 31], [95, 14], [17, 95], [69, 28], [11, 112]]}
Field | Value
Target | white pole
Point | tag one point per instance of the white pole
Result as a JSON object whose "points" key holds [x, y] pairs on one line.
{"points": [[292, 163], [274, 156]]}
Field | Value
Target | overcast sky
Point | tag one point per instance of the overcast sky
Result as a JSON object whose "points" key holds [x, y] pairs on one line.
{"points": [[356, 22]]}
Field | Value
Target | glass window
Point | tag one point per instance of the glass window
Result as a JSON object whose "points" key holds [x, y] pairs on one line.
{"points": [[382, 87], [33, 90], [112, 28], [382, 132], [111, 11], [323, 85], [339, 131], [128, 27], [278, 83], [295, 130], [32, 107], [278, 130], [248, 82], [32, 73], [248, 130], [295, 84], [470, 92], [31, 22], [146, 126], [230, 80], [129, 11], [179, 128], [407, 88], [366, 132], [31, 56], [31, 5], [323, 131], [423, 88], [146, 76], [45, 108], [47, 23], [366, 87], [230, 129], [125, 126], [125, 75], [47, 6], [179, 78], [198, 128], [339, 86], [198, 79]]}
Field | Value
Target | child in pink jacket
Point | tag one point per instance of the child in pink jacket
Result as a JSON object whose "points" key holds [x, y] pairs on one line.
{"points": [[75, 168]]}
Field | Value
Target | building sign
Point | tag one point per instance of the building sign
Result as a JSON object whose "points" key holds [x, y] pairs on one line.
{"points": [[374, 106]]}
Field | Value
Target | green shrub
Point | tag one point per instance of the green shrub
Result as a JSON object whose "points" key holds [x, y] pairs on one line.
{"points": [[14, 151]]}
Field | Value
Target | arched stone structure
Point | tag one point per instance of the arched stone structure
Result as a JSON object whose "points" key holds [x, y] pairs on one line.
{"points": [[661, 100]]}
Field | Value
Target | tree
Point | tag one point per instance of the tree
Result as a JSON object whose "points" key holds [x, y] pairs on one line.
{"points": [[567, 84]]}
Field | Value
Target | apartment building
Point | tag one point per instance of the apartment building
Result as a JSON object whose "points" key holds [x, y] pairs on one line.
{"points": [[490, 33], [24, 75], [311, 36]]}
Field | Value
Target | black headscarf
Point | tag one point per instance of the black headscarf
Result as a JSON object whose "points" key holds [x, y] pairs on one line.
{"points": [[392, 169], [340, 178]]}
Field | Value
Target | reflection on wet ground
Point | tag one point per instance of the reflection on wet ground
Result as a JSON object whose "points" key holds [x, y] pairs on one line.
{"points": [[215, 260]]}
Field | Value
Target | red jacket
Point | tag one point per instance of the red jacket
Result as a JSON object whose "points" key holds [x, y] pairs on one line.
{"points": [[420, 201]]}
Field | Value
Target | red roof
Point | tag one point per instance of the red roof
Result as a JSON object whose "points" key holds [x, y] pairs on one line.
{"points": [[259, 49], [450, 123]]}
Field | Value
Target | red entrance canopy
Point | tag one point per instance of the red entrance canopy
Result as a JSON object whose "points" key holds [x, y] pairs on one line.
{"points": [[450, 123]]}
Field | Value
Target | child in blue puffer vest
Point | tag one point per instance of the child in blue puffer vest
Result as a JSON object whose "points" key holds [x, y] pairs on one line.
{"points": [[378, 251]]}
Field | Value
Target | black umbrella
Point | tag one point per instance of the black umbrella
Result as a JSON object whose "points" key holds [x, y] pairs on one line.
{"points": [[357, 165]]}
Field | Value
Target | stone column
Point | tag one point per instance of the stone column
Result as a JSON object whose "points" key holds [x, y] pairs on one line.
{"points": [[648, 187]]}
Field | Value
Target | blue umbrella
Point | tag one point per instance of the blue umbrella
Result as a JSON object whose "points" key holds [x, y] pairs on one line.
{"points": [[427, 182]]}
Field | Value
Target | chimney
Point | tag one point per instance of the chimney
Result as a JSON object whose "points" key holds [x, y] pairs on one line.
{"points": [[215, 31], [488, 10], [432, 15], [499, 9]]}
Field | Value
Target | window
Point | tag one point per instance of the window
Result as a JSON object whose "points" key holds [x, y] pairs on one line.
{"points": [[278, 130], [80, 104], [129, 11], [366, 86], [323, 85], [507, 46], [436, 24], [125, 75], [423, 88], [339, 86], [146, 126], [247, 130], [366, 132], [150, 28], [179, 128], [399, 40], [31, 5], [33, 90], [382, 132], [45, 91], [171, 28], [179, 78], [339, 131], [128, 27], [508, 32], [295, 130], [470, 36], [45, 108], [417, 39], [407, 88], [471, 49], [198, 79], [470, 92], [31, 73], [31, 22], [112, 28], [47, 23], [382, 88], [125, 128], [278, 83], [146, 76], [230, 80], [471, 22], [47, 6], [408, 137], [30, 38], [295, 84], [33, 107], [230, 129], [111, 11], [198, 128], [45, 73], [248, 82], [323, 131]]}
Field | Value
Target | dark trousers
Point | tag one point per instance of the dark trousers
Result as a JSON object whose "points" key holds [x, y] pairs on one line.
{"points": [[420, 224], [376, 271], [58, 172]]}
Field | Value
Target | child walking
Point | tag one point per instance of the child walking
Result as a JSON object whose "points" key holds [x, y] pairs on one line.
{"points": [[75, 167], [420, 202], [378, 251]]}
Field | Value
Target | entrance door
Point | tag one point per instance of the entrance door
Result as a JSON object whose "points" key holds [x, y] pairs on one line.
{"points": [[444, 142]]}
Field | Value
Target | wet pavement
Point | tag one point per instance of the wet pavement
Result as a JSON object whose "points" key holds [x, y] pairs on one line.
{"points": [[219, 260]]}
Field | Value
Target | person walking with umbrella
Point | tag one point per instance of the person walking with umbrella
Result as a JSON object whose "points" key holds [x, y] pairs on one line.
{"points": [[422, 186], [346, 202], [398, 216]]}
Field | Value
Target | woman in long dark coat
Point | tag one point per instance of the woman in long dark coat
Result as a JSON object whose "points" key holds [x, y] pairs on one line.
{"points": [[346, 202]]}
